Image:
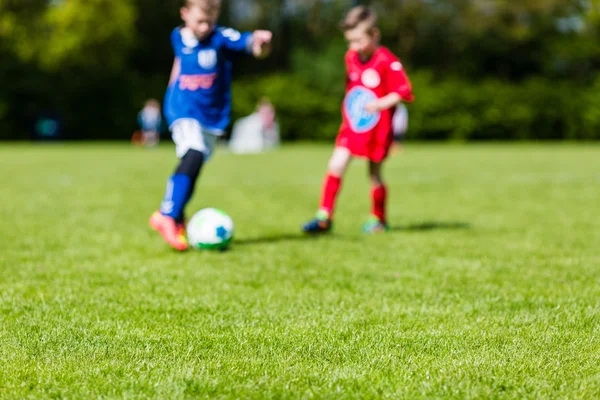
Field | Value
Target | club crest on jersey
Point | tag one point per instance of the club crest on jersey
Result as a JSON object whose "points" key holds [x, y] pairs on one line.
{"points": [[370, 78], [207, 58], [360, 120]]}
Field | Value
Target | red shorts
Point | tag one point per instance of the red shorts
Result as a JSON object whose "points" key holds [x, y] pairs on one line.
{"points": [[373, 146]]}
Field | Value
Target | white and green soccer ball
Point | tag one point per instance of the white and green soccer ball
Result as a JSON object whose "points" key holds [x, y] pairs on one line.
{"points": [[210, 228]]}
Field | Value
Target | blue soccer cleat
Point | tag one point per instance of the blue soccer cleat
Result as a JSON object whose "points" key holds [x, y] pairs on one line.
{"points": [[321, 224], [374, 225]]}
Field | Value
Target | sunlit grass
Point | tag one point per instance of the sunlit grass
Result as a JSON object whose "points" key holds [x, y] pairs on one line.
{"points": [[488, 285]]}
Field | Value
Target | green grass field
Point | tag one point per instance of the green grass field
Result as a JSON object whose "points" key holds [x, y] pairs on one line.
{"points": [[488, 285]]}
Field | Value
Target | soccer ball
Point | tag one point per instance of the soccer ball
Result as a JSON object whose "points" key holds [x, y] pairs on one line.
{"points": [[210, 228]]}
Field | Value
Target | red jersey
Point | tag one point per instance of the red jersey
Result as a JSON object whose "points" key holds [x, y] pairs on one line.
{"points": [[370, 134]]}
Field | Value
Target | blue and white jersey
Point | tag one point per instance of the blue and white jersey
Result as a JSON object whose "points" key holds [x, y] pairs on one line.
{"points": [[202, 91]]}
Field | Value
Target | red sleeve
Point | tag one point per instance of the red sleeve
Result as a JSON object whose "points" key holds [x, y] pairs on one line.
{"points": [[396, 79]]}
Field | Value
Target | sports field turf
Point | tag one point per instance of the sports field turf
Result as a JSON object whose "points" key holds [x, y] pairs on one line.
{"points": [[488, 285]]}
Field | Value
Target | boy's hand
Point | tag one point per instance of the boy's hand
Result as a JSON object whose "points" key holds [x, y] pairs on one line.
{"points": [[388, 101], [372, 107], [261, 43]]}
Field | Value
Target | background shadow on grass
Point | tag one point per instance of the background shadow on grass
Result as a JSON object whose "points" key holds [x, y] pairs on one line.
{"points": [[300, 237], [286, 237], [431, 226]]}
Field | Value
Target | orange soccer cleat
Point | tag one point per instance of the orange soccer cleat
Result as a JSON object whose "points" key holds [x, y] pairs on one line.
{"points": [[172, 233]]}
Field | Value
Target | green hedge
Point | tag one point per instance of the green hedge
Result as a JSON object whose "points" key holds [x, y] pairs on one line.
{"points": [[449, 109], [303, 113]]}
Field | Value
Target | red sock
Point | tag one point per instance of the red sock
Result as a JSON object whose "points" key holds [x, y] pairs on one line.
{"points": [[379, 196], [331, 187]]}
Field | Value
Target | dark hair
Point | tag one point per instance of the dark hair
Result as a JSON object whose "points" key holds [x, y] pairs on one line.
{"points": [[357, 16], [205, 5]]}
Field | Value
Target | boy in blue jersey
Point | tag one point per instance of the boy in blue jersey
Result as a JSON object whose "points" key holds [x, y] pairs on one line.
{"points": [[198, 102]]}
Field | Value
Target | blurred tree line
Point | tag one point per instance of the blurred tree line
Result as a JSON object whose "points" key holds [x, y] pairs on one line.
{"points": [[482, 69]]}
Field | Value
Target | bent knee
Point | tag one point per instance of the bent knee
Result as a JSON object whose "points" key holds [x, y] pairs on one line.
{"points": [[337, 166]]}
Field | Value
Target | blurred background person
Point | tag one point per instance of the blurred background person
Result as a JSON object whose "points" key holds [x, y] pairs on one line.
{"points": [[257, 132], [150, 121], [47, 126], [399, 127]]}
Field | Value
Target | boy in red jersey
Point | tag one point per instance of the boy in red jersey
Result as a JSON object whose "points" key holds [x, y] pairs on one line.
{"points": [[375, 84]]}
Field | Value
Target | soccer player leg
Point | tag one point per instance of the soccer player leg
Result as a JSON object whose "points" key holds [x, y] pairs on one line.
{"points": [[331, 186], [192, 150], [339, 161], [196, 165], [378, 221]]}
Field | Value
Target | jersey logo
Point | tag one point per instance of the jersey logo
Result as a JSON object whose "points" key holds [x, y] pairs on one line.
{"points": [[231, 34], [207, 58], [195, 82], [370, 78], [360, 120]]}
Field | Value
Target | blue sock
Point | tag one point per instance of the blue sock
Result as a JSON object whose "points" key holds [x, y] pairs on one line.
{"points": [[181, 185], [181, 218], [176, 195]]}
